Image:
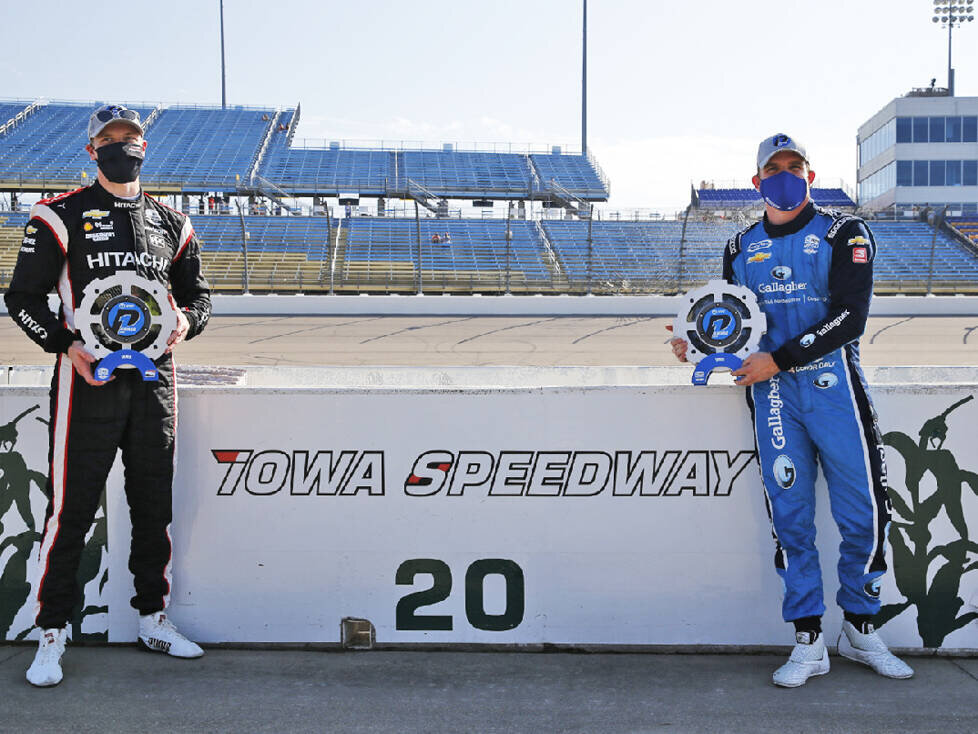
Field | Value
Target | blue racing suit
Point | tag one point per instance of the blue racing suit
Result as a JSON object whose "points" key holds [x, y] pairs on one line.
{"points": [[813, 277]]}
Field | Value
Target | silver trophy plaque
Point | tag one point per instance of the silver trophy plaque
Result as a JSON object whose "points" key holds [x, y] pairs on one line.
{"points": [[722, 323], [125, 320]]}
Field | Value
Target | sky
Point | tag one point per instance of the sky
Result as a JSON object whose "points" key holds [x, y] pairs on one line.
{"points": [[677, 92]]}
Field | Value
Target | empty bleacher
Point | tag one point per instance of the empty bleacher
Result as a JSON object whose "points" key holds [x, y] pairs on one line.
{"points": [[284, 253], [968, 226], [382, 255], [639, 256], [378, 254], [204, 148], [328, 171], [465, 174], [11, 233], [575, 173], [197, 149], [904, 260], [9, 110], [832, 198], [48, 148]]}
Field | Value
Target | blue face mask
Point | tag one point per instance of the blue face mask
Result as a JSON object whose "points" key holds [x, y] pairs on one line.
{"points": [[784, 191]]}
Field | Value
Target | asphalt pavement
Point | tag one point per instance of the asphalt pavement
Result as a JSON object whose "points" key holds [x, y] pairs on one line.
{"points": [[121, 689]]}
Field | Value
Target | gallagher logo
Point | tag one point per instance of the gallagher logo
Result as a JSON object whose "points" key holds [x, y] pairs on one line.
{"points": [[784, 472], [826, 380], [781, 272]]}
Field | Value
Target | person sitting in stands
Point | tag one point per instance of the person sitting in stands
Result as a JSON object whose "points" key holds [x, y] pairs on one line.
{"points": [[435, 239], [446, 239]]}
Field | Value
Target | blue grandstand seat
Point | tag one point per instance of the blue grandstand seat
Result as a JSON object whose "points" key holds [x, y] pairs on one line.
{"points": [[737, 198], [328, 170], [9, 110], [968, 226], [49, 146], [464, 174], [204, 149], [477, 247], [647, 253], [13, 219], [305, 235], [574, 172]]}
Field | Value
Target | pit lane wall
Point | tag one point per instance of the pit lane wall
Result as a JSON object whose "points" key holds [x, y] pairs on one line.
{"points": [[604, 506]]}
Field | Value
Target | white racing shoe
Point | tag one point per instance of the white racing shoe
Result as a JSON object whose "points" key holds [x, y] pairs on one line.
{"points": [[869, 649], [46, 668], [157, 634], [807, 659]]}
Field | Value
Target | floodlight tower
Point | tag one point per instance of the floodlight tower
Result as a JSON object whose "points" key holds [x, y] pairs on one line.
{"points": [[952, 13]]}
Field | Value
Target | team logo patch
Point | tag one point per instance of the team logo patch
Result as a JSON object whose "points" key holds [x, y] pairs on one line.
{"points": [[811, 244], [153, 217], [759, 257], [88, 226], [807, 340], [859, 240], [31, 229], [95, 214], [826, 380], [762, 245], [860, 255], [784, 472], [780, 272], [872, 589]]}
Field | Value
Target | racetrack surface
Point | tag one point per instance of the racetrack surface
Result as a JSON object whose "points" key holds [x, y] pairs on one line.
{"points": [[481, 340]]}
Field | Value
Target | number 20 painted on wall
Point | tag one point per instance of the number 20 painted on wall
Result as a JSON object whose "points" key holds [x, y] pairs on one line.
{"points": [[407, 617]]}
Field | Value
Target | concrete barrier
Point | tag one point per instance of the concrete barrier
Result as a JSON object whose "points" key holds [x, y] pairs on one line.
{"points": [[569, 506], [558, 305]]}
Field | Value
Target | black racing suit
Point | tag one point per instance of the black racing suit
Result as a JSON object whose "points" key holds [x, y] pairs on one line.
{"points": [[71, 240]]}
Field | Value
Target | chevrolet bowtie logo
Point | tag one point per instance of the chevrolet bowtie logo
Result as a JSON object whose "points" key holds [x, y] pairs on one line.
{"points": [[859, 240]]}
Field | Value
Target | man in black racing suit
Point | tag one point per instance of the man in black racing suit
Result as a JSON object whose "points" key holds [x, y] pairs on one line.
{"points": [[71, 240]]}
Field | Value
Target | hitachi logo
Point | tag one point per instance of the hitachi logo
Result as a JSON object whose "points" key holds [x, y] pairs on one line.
{"points": [[31, 324], [127, 259]]}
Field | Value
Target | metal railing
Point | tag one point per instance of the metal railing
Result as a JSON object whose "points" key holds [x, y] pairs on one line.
{"points": [[397, 146]]}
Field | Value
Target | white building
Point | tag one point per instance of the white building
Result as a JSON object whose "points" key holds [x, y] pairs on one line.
{"points": [[920, 150]]}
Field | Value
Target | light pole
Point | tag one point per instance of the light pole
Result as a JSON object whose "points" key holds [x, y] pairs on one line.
{"points": [[951, 13]]}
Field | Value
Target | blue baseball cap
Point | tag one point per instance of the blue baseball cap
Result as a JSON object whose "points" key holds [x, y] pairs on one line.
{"points": [[777, 143]]}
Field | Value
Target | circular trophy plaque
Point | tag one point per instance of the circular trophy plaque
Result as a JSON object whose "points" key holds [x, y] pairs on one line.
{"points": [[125, 321], [722, 324]]}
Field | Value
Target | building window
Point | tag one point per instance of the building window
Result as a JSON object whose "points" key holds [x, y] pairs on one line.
{"points": [[936, 173], [920, 173], [952, 129], [952, 173], [969, 130], [904, 173], [904, 130], [936, 130], [969, 173], [920, 129]]}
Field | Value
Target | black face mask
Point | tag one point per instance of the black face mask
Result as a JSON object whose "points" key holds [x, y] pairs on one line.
{"points": [[120, 162]]}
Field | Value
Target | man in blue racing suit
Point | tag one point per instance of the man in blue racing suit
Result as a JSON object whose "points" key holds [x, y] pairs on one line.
{"points": [[812, 272]]}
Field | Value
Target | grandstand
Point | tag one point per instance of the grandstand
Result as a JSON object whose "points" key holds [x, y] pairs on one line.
{"points": [[245, 161], [967, 226], [734, 198], [199, 149]]}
